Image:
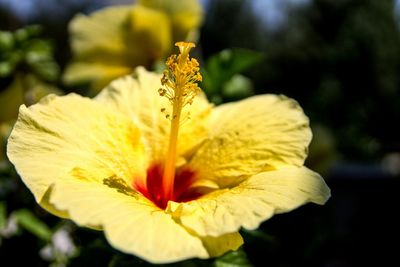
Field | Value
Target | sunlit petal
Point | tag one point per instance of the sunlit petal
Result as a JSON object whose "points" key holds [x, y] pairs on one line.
{"points": [[251, 136], [252, 201], [76, 136], [130, 222], [137, 96]]}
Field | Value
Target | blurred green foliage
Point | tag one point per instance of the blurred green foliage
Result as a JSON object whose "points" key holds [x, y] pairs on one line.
{"points": [[23, 51], [3, 215], [339, 59], [222, 81], [234, 259], [28, 70], [28, 221]]}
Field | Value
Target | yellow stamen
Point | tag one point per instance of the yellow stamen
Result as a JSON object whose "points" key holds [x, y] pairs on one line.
{"points": [[180, 87]]}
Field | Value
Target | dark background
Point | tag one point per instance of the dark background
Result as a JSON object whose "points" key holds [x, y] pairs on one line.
{"points": [[341, 60]]}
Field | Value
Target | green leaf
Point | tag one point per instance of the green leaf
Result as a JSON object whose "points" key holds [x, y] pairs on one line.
{"points": [[233, 259], [47, 70], [22, 35], [39, 57], [24, 51], [6, 41], [238, 87], [220, 68], [5, 69], [232, 61], [257, 234], [28, 221]]}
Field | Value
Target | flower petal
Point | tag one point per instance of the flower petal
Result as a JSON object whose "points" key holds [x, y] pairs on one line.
{"points": [[138, 98], [217, 246], [96, 72], [76, 136], [186, 16], [98, 39], [100, 31], [151, 32], [122, 37], [79, 157], [130, 222], [251, 202], [254, 135]]}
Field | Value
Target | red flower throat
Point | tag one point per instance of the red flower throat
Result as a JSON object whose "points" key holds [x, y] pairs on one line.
{"points": [[153, 190]]}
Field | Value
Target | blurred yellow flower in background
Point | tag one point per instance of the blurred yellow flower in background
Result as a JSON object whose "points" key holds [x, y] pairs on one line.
{"points": [[113, 41], [162, 172], [24, 89]]}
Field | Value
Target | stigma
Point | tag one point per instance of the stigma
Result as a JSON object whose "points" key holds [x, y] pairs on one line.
{"points": [[180, 78]]}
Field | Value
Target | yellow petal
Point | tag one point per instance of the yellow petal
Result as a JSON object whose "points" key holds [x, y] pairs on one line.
{"points": [[151, 31], [103, 30], [79, 157], [100, 48], [217, 246], [115, 40], [251, 202], [76, 136], [138, 98], [131, 223], [254, 135], [186, 16], [96, 72]]}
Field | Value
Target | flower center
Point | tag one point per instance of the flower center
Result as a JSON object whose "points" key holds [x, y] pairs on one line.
{"points": [[153, 190], [180, 87]]}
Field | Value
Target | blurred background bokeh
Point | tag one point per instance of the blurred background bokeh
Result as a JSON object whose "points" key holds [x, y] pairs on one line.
{"points": [[340, 59]]}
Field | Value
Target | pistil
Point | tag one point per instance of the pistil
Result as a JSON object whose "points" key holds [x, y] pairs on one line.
{"points": [[180, 87]]}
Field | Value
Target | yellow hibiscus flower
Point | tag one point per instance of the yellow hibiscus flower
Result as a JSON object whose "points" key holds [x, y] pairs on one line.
{"points": [[113, 41], [162, 183]]}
